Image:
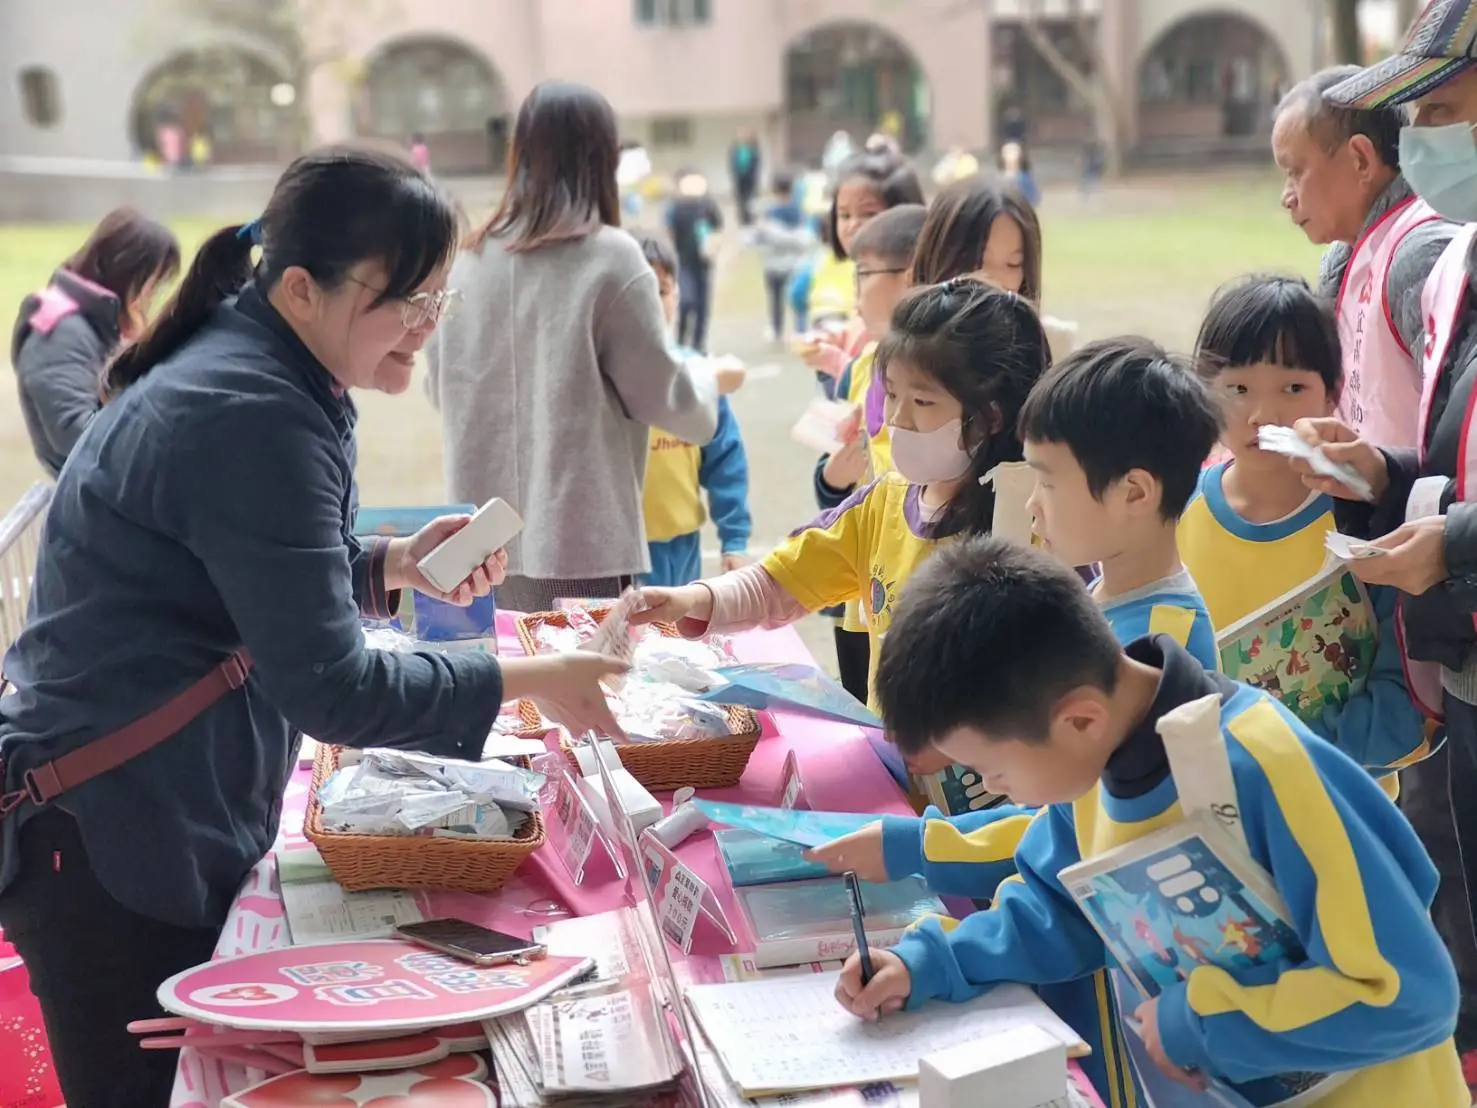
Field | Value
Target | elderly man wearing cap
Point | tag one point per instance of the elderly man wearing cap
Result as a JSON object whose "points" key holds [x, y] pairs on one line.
{"points": [[1343, 187], [1426, 509]]}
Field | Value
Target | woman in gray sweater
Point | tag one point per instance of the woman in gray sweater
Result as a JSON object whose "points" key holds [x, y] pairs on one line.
{"points": [[558, 361]]}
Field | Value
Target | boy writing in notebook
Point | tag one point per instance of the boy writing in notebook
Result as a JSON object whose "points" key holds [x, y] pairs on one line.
{"points": [[998, 658], [1116, 434]]}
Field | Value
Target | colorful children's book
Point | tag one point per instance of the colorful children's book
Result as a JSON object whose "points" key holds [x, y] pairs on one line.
{"points": [[810, 921], [753, 859], [791, 687], [1191, 895], [802, 827], [956, 791], [1310, 648]]}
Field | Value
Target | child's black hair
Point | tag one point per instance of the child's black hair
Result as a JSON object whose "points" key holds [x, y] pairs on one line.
{"points": [[989, 634], [986, 348], [1270, 319], [658, 252], [891, 236], [1123, 404], [782, 183], [953, 239], [889, 173]]}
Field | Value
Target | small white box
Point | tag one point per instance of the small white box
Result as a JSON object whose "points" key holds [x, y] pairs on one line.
{"points": [[639, 804], [489, 530], [1024, 1067]]}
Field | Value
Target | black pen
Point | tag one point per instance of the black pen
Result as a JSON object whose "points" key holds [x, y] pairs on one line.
{"points": [[854, 890]]}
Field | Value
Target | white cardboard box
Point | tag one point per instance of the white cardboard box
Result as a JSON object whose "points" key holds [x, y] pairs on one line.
{"points": [[1025, 1067]]}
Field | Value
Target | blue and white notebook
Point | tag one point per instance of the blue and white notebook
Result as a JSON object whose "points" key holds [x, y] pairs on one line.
{"points": [[790, 687], [793, 825], [796, 923], [1186, 896], [753, 859]]}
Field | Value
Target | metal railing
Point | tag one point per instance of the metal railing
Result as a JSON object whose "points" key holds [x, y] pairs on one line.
{"points": [[20, 539]]}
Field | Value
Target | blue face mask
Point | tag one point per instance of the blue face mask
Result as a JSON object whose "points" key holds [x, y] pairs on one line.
{"points": [[1441, 165]]}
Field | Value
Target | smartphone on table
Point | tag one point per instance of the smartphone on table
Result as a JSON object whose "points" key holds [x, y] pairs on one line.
{"points": [[469, 942]]}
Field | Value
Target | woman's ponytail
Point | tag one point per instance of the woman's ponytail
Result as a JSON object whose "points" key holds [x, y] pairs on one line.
{"points": [[220, 270]]}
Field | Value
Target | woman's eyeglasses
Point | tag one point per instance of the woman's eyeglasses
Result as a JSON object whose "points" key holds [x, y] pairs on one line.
{"points": [[422, 309]]}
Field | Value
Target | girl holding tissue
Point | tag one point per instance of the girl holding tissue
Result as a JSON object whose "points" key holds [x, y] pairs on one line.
{"points": [[197, 600], [957, 365]]}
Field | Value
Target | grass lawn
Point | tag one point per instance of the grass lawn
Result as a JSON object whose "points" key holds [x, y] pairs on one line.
{"points": [[1145, 257]]}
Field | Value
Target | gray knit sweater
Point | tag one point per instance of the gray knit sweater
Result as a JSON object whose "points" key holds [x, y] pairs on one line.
{"points": [[547, 378]]}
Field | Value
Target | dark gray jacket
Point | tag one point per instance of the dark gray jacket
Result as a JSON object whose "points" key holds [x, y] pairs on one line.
{"points": [[63, 338], [208, 507]]}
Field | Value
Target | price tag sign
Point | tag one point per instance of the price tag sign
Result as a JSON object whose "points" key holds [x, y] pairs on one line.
{"points": [[678, 894], [579, 827], [792, 788]]}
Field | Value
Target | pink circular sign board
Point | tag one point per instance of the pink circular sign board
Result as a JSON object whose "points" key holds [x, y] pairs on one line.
{"points": [[379, 985]]}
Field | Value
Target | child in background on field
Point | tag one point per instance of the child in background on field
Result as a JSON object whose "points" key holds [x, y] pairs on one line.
{"points": [[784, 240], [866, 184], [420, 153], [1116, 435], [677, 473], [997, 657], [694, 221], [1253, 531], [958, 362], [882, 249]]}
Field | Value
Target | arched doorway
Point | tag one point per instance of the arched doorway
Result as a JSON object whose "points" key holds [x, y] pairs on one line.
{"points": [[1213, 76], [239, 102], [855, 77], [443, 91], [1034, 104]]}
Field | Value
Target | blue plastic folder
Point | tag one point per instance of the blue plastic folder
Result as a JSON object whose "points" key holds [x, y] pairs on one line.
{"points": [[425, 617], [804, 828], [791, 687]]}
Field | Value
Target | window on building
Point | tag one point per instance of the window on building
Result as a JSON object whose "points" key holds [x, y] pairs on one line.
{"points": [[671, 131], [41, 96], [673, 13]]}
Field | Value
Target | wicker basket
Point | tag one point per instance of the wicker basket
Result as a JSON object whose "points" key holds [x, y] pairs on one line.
{"points": [[675, 763], [360, 862], [531, 723]]}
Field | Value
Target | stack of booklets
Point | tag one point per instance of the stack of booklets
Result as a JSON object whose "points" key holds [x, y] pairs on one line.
{"points": [[1186, 896]]}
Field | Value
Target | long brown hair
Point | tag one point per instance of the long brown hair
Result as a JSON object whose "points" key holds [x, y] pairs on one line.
{"points": [[952, 242], [561, 177], [331, 209], [126, 251]]}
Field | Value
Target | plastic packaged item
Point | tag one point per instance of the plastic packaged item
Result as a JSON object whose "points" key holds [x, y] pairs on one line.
{"points": [[392, 792], [658, 711]]}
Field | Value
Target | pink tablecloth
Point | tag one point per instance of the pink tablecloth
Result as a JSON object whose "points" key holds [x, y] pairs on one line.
{"points": [[838, 766]]}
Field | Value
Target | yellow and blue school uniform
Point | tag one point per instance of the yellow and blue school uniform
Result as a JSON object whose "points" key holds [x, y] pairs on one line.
{"points": [[1242, 567], [1377, 994], [863, 549], [855, 386], [677, 472], [970, 855]]}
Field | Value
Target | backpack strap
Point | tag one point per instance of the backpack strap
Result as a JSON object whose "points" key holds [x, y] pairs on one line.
{"points": [[51, 779]]}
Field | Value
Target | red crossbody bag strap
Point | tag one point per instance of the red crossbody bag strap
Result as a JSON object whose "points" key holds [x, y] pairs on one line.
{"points": [[50, 780]]}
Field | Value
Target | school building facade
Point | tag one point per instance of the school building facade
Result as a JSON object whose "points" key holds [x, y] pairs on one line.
{"points": [[95, 79]]}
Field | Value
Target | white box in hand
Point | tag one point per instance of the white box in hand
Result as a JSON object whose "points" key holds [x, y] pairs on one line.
{"points": [[1025, 1067], [489, 530]]}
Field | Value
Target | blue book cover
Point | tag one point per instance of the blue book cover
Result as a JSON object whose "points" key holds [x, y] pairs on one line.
{"points": [[791, 687], [424, 617], [753, 859], [804, 828], [1186, 896]]}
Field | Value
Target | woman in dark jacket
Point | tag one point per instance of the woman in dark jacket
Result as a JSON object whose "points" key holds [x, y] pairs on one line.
{"points": [[207, 512], [65, 334]]}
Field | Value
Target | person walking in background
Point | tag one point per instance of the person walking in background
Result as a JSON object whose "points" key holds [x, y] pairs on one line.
{"points": [[420, 153], [693, 221], [784, 241], [678, 473], [631, 173], [744, 168], [65, 334], [549, 380], [956, 164], [1015, 167]]}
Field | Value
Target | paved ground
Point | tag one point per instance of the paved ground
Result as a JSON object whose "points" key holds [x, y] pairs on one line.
{"points": [[1144, 257]]}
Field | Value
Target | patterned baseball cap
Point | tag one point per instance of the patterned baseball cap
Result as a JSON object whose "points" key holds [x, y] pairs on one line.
{"points": [[1442, 42]]}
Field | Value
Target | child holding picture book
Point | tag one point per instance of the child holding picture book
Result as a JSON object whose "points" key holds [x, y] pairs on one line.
{"points": [[1116, 435], [1329, 978], [957, 365], [1253, 536]]}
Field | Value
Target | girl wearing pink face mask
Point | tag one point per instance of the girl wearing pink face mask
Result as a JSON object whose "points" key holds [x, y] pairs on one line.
{"points": [[957, 365]]}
